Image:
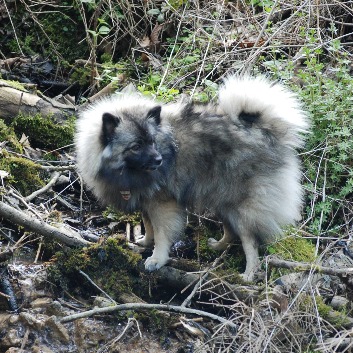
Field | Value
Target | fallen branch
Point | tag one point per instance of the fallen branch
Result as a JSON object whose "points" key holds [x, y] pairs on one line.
{"points": [[66, 236], [142, 306], [57, 168], [301, 266], [45, 188]]}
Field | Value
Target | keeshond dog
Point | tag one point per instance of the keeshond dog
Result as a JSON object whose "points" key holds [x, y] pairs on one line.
{"points": [[236, 159]]}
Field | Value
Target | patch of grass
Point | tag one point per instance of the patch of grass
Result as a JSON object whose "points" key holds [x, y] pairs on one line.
{"points": [[121, 217]]}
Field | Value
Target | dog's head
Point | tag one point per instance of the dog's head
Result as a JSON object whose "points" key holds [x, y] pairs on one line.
{"points": [[129, 142]]}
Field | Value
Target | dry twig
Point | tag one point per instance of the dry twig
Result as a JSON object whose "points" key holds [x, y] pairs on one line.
{"points": [[143, 306], [301, 266]]}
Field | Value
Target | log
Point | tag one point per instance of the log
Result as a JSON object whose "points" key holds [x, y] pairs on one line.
{"points": [[14, 101], [40, 227]]}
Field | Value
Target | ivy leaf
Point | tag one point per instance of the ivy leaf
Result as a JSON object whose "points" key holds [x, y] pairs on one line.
{"points": [[103, 30], [153, 12]]}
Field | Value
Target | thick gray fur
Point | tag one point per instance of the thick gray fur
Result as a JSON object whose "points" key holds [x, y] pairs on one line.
{"points": [[236, 159]]}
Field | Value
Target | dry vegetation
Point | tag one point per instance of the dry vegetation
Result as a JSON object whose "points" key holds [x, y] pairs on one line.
{"points": [[168, 48]]}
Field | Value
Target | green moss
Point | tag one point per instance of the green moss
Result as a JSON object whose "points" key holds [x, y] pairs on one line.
{"points": [[8, 134], [201, 235], [111, 266], [293, 248], [24, 174], [15, 84], [336, 318], [63, 34], [43, 132], [81, 75], [121, 217]]}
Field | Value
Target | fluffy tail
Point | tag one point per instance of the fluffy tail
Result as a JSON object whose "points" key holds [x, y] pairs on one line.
{"points": [[264, 105]]}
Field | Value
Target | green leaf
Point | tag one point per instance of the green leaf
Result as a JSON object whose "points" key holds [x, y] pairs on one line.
{"points": [[103, 30], [153, 12]]}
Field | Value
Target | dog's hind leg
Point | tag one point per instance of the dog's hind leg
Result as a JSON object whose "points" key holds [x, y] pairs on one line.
{"points": [[147, 240], [168, 221], [249, 243], [227, 239], [251, 251]]}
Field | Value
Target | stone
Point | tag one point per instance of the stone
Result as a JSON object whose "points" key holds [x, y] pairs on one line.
{"points": [[11, 339], [57, 329], [33, 321], [41, 349], [41, 303]]}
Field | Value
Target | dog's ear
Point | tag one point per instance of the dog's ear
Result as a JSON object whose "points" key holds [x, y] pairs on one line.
{"points": [[110, 122], [155, 114]]}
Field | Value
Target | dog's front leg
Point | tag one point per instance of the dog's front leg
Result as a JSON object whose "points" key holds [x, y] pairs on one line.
{"points": [[168, 222]]}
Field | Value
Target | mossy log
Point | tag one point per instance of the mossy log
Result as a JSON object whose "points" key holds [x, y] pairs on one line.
{"points": [[15, 100]]}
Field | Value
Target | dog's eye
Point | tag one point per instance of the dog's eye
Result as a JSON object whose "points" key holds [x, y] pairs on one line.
{"points": [[136, 147]]}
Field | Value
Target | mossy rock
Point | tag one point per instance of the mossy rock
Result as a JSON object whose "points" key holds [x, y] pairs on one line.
{"points": [[25, 175], [111, 265], [44, 132]]}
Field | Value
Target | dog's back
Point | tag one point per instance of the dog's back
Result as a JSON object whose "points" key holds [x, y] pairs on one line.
{"points": [[238, 157]]}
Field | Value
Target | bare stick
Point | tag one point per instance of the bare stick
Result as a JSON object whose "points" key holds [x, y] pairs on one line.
{"points": [[58, 167], [301, 266], [45, 188], [107, 347], [100, 289], [23, 201], [40, 227], [38, 251], [142, 306]]}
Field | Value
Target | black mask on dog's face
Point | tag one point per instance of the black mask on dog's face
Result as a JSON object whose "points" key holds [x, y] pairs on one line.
{"points": [[129, 142]]}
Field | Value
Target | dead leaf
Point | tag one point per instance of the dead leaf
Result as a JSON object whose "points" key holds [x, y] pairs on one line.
{"points": [[4, 174], [145, 42], [155, 34], [24, 141]]}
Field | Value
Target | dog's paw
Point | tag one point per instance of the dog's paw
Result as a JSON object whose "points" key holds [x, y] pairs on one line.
{"points": [[248, 276], [144, 242], [216, 245], [154, 263]]}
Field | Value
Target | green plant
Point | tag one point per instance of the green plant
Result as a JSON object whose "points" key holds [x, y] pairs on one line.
{"points": [[327, 96], [263, 4], [326, 92]]}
